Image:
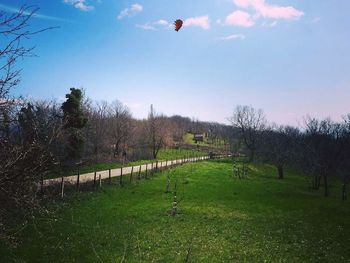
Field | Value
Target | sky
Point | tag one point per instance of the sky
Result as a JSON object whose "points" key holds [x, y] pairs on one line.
{"points": [[288, 57]]}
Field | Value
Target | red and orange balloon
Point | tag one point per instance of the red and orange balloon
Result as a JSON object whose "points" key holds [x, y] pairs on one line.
{"points": [[178, 24]]}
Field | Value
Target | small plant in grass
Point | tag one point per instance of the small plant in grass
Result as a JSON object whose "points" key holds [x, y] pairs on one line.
{"points": [[240, 169], [245, 170], [174, 208], [167, 183], [168, 180]]}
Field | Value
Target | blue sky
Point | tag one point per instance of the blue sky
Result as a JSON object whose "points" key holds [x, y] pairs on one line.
{"points": [[289, 57]]}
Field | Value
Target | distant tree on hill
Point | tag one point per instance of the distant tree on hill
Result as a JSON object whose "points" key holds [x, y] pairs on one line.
{"points": [[96, 130], [251, 123], [344, 167], [321, 151], [158, 133], [279, 146], [119, 127]]}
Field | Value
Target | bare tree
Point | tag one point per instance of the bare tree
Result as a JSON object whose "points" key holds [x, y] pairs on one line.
{"points": [[29, 150], [322, 148], [250, 122], [14, 29], [27, 132], [279, 146], [344, 167], [119, 126], [97, 129], [157, 131]]}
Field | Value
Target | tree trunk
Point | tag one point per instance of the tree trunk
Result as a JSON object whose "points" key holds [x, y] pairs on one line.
{"points": [[316, 182], [326, 192], [116, 149], [319, 178], [280, 172], [251, 156]]}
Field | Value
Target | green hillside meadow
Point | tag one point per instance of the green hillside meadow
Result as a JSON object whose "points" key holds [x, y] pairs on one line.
{"points": [[220, 219]]}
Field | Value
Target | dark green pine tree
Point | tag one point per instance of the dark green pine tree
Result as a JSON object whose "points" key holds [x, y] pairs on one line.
{"points": [[75, 120]]}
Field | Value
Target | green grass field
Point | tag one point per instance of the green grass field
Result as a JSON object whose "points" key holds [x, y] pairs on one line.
{"points": [[221, 219]]}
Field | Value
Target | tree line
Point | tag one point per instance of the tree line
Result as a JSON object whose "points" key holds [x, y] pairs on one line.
{"points": [[320, 149]]}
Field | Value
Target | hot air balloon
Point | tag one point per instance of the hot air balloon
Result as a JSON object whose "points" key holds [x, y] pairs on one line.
{"points": [[178, 24]]}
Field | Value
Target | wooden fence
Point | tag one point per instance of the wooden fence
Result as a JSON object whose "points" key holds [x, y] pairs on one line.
{"points": [[134, 172]]}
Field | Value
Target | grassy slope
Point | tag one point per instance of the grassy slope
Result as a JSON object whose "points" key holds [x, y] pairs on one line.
{"points": [[259, 219], [188, 139]]}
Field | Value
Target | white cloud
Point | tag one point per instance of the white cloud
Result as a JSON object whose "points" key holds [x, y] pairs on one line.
{"points": [[147, 26], [273, 24], [240, 18], [136, 8], [39, 16], [200, 21], [123, 13], [233, 37], [132, 10], [262, 8], [270, 24], [155, 25], [162, 22], [80, 4]]}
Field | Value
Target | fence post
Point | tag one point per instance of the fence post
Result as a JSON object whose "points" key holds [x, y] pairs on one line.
{"points": [[62, 187], [152, 169], [140, 172], [132, 170], [157, 166], [95, 180], [109, 176], [78, 181], [100, 180], [146, 171], [121, 176]]}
